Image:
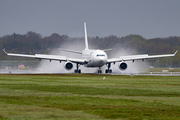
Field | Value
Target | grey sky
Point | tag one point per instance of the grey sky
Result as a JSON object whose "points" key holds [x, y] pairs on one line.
{"points": [[149, 18]]}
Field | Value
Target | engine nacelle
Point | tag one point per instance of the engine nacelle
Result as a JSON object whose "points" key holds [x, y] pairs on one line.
{"points": [[68, 65], [123, 66]]}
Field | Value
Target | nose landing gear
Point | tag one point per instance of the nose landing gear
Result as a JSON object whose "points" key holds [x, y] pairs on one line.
{"points": [[99, 70]]}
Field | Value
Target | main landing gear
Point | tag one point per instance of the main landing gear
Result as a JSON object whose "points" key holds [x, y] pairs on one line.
{"points": [[77, 70], [108, 70]]}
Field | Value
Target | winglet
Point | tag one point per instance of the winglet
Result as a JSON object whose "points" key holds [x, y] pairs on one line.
{"points": [[5, 51], [175, 52]]}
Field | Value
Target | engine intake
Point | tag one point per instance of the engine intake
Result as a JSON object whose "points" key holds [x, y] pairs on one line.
{"points": [[68, 65], [123, 66]]}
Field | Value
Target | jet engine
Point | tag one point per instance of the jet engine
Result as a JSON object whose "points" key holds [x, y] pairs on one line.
{"points": [[123, 66], [68, 65]]}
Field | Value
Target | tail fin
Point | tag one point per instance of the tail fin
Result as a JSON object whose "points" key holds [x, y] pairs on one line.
{"points": [[86, 40]]}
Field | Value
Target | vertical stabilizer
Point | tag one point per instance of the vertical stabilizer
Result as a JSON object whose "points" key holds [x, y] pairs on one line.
{"points": [[86, 40]]}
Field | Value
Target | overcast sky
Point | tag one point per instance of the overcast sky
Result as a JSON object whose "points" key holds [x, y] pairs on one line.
{"points": [[149, 18]]}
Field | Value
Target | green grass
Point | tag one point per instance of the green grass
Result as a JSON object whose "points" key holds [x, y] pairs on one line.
{"points": [[88, 96]]}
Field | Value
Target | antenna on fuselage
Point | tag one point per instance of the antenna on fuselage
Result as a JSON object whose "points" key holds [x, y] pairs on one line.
{"points": [[86, 40]]}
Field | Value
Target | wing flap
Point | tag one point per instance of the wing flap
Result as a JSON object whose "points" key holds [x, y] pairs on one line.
{"points": [[40, 56], [48, 57], [138, 57], [21, 55], [76, 60], [51, 57]]}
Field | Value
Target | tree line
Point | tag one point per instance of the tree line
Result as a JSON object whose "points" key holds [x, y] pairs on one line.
{"points": [[32, 43]]}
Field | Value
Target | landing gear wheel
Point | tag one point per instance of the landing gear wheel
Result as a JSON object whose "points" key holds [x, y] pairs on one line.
{"points": [[99, 71], [77, 71], [108, 71]]}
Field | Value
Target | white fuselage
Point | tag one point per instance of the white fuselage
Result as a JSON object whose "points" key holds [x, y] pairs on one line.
{"points": [[94, 58]]}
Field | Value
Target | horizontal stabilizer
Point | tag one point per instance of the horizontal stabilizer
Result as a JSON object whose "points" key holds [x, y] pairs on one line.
{"points": [[107, 49], [73, 51]]}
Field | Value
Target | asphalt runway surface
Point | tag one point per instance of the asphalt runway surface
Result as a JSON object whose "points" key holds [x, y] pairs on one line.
{"points": [[39, 71]]}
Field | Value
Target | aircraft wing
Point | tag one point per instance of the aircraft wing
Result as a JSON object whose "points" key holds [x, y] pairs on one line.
{"points": [[138, 57], [48, 57]]}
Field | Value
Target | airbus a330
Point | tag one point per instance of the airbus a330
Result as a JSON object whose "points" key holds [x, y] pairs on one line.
{"points": [[91, 58]]}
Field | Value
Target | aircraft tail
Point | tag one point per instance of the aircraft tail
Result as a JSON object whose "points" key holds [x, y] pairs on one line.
{"points": [[86, 40]]}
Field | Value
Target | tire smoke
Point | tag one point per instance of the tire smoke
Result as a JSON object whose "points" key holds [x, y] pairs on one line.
{"points": [[57, 67]]}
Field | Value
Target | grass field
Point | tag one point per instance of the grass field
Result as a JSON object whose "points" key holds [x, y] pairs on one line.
{"points": [[88, 96]]}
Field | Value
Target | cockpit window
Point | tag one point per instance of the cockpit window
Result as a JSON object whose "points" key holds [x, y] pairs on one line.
{"points": [[100, 55]]}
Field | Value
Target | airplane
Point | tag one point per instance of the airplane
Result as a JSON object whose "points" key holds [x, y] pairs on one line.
{"points": [[91, 58]]}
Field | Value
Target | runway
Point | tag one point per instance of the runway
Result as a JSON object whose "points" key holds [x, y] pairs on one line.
{"points": [[158, 74], [40, 71], [20, 71]]}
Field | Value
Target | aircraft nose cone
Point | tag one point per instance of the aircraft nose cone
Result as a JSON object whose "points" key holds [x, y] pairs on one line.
{"points": [[99, 61]]}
